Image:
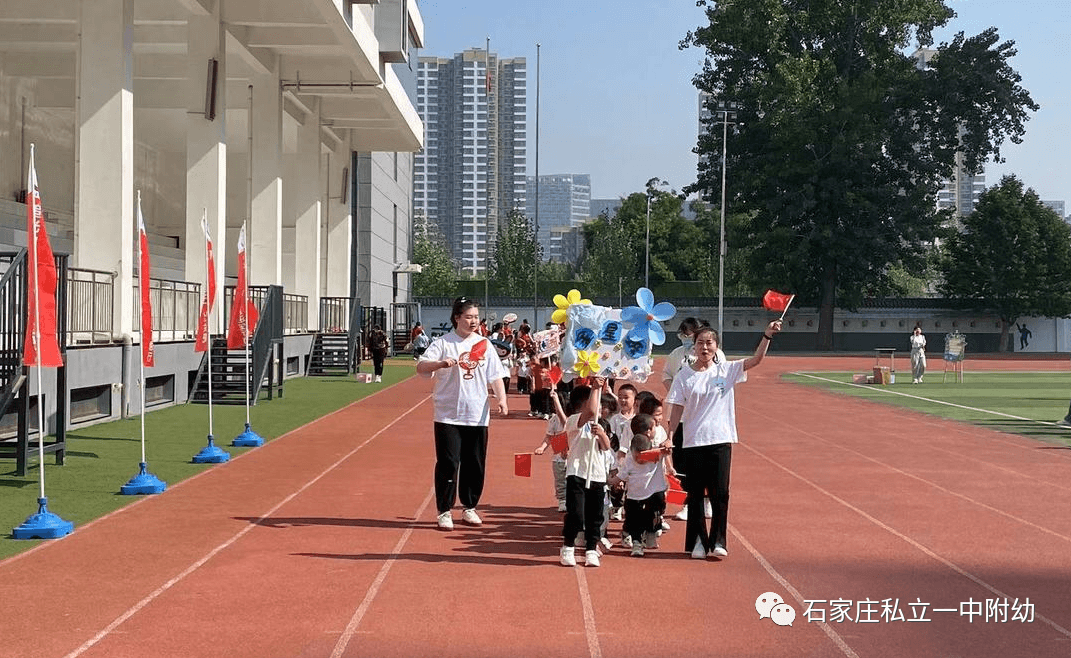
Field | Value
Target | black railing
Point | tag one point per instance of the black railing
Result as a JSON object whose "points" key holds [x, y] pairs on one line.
{"points": [[335, 314], [267, 343], [12, 325]]}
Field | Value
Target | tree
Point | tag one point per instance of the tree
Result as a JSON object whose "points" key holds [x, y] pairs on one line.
{"points": [[430, 251], [1012, 257], [610, 257], [842, 139], [516, 255]]}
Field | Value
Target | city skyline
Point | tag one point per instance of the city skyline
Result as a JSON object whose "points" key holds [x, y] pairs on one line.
{"points": [[617, 99]]}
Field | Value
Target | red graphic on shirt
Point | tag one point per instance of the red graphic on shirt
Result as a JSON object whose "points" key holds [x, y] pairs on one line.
{"points": [[470, 360]]}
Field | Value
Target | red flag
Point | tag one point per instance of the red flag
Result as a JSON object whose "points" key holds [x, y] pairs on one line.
{"points": [[559, 442], [775, 301], [208, 298], [522, 464], [148, 351], [40, 285], [243, 312], [555, 374]]}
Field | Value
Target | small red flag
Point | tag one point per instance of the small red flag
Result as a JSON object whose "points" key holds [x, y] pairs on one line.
{"points": [[775, 301], [555, 374], [244, 313], [649, 456], [522, 464], [559, 443], [41, 327], [148, 356]]}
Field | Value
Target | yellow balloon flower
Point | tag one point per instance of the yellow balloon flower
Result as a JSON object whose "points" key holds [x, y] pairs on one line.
{"points": [[587, 363], [563, 303]]}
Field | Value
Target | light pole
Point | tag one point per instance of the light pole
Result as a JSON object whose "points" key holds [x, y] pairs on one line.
{"points": [[647, 238], [535, 273], [726, 110]]}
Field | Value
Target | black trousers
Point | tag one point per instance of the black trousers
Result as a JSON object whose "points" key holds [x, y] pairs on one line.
{"points": [[583, 511], [377, 361], [708, 476], [460, 460], [644, 515]]}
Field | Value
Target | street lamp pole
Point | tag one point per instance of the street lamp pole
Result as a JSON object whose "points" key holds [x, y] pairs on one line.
{"points": [[721, 241], [647, 245]]}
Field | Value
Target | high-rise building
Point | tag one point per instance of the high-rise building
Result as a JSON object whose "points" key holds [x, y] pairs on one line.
{"points": [[1057, 207], [564, 201], [473, 169]]}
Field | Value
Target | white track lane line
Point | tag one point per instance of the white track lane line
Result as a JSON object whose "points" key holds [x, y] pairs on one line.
{"points": [[594, 650], [951, 565], [241, 533], [373, 589]]}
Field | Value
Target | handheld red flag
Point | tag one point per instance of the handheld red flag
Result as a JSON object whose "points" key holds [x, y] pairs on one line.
{"points": [[775, 301], [522, 464], [41, 342], [555, 374], [244, 313], [148, 356], [649, 456], [559, 443]]}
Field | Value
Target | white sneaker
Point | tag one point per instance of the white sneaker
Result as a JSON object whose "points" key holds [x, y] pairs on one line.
{"points": [[568, 556], [617, 515], [699, 553], [650, 539], [607, 544], [561, 506], [445, 522], [378, 379], [665, 525], [708, 510], [637, 550], [470, 517], [682, 515], [591, 558], [719, 551]]}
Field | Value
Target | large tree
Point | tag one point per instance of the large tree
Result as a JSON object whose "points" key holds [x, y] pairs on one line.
{"points": [[517, 251], [1011, 257], [843, 136], [438, 275]]}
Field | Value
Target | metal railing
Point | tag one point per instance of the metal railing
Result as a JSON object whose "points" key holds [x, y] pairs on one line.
{"points": [[90, 305], [295, 314], [175, 306], [335, 314]]}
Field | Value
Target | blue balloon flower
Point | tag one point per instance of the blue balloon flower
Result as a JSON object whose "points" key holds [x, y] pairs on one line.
{"points": [[646, 317]]}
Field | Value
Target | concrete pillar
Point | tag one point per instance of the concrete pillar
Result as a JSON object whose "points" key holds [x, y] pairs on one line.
{"points": [[308, 205], [339, 232], [206, 153], [266, 230], [104, 145]]}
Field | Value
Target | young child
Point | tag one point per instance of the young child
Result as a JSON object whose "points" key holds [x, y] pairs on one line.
{"points": [[645, 498], [626, 409], [652, 406], [537, 396], [585, 481], [556, 425]]}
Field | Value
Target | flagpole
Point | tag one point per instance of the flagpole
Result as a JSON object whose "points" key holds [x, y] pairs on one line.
{"points": [[211, 453], [786, 308], [248, 438], [43, 524]]}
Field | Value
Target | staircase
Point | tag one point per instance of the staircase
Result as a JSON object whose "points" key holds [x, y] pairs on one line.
{"points": [[228, 376], [330, 355]]}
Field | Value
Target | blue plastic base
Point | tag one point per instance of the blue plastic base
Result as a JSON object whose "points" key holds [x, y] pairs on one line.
{"points": [[43, 525], [248, 439], [210, 454], [143, 483]]}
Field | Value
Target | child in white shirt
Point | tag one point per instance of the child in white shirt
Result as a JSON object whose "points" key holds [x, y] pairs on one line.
{"points": [[556, 425], [645, 493], [585, 480]]}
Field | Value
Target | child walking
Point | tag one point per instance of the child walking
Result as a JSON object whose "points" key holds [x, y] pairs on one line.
{"points": [[645, 488], [585, 481], [556, 425]]}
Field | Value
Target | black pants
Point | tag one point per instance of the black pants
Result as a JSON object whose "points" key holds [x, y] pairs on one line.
{"points": [[708, 475], [583, 511], [460, 458], [539, 400], [644, 515], [377, 360]]}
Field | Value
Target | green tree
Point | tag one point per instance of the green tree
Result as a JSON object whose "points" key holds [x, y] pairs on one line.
{"points": [[437, 278], [738, 241], [841, 138], [1012, 257], [516, 255]]}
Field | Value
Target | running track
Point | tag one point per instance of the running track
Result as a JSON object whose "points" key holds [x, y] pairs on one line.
{"points": [[322, 543]]}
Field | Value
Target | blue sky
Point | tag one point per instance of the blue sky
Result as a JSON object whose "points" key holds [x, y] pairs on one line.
{"points": [[617, 101]]}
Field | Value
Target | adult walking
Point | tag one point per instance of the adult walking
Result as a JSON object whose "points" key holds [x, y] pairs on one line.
{"points": [[463, 364], [918, 355], [702, 398], [377, 344]]}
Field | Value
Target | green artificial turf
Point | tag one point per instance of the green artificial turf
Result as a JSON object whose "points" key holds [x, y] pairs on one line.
{"points": [[1026, 403], [101, 458]]}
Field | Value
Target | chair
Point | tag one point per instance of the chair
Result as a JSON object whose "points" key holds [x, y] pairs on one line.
{"points": [[955, 351]]}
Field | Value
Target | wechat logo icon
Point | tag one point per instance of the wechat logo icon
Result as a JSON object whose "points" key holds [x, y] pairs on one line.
{"points": [[771, 606]]}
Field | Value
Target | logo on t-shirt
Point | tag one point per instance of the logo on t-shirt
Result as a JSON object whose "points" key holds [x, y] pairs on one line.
{"points": [[470, 361]]}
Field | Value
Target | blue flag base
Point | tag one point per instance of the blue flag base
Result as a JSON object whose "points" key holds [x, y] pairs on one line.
{"points": [[43, 525], [210, 454], [248, 439], [143, 483]]}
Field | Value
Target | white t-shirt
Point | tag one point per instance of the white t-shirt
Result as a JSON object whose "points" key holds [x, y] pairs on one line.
{"points": [[621, 425], [461, 392], [585, 459], [709, 404], [554, 426], [643, 480], [682, 357]]}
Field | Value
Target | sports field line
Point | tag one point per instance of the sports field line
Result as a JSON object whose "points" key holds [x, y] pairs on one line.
{"points": [[896, 533], [765, 564], [133, 610], [919, 397], [594, 649]]}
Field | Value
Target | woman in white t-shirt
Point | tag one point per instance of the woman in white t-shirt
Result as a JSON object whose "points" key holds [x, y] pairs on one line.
{"points": [[702, 400], [463, 364]]}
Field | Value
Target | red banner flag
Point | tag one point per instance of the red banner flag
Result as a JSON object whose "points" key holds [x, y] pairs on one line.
{"points": [[244, 313], [41, 283], [208, 297], [775, 301], [148, 351]]}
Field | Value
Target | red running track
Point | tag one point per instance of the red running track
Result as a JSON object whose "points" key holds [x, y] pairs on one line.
{"points": [[322, 543]]}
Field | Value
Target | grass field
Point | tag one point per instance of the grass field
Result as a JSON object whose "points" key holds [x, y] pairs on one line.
{"points": [[1026, 403], [101, 458]]}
